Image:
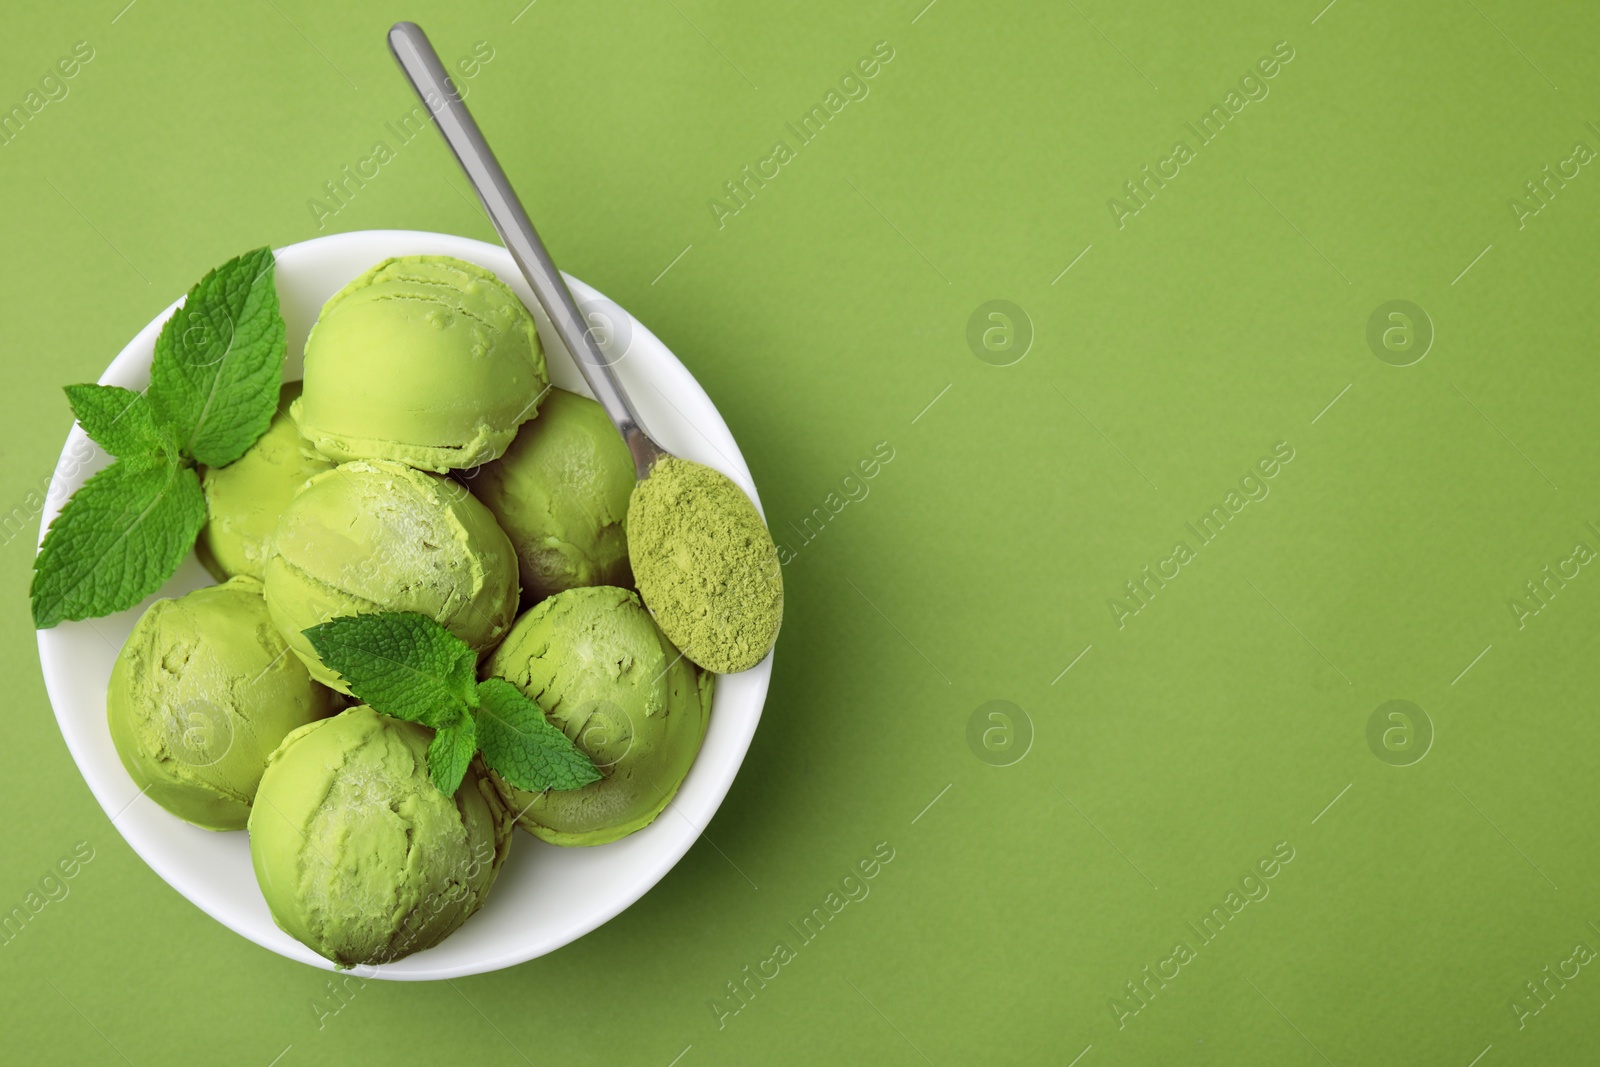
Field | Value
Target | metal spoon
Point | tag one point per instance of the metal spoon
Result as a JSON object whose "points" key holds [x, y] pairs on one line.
{"points": [[711, 578], [421, 65]]}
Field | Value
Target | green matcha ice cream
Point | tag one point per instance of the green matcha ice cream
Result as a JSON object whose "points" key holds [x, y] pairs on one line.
{"points": [[374, 536], [602, 672], [200, 695], [245, 498], [359, 855], [426, 360], [561, 493], [706, 565]]}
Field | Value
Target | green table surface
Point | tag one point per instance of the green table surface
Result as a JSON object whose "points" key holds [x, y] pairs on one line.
{"points": [[1085, 874]]}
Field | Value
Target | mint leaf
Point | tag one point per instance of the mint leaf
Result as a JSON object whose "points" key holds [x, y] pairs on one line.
{"points": [[402, 663], [214, 387], [119, 420], [450, 753], [219, 361], [121, 535], [522, 746], [407, 666]]}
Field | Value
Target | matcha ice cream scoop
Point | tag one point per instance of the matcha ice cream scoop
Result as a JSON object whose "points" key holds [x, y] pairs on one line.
{"points": [[427, 360], [200, 695], [602, 672], [561, 493], [245, 498], [359, 855], [371, 536]]}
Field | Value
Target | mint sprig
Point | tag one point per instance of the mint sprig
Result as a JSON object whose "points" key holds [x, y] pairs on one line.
{"points": [[407, 666], [214, 386]]}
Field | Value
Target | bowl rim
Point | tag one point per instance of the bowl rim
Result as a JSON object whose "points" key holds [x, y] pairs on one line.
{"points": [[711, 781]]}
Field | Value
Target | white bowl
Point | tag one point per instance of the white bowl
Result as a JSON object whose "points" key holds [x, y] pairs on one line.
{"points": [[545, 896]]}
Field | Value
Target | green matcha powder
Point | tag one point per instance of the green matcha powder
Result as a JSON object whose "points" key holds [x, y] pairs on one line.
{"points": [[706, 565]]}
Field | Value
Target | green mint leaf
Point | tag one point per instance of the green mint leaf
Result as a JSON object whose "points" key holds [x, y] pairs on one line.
{"points": [[219, 361], [450, 752], [403, 664], [121, 535], [522, 746], [119, 420]]}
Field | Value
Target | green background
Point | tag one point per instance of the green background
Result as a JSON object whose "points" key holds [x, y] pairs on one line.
{"points": [[1228, 715]]}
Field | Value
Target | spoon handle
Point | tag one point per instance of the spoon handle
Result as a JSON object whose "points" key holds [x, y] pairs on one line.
{"points": [[421, 66]]}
